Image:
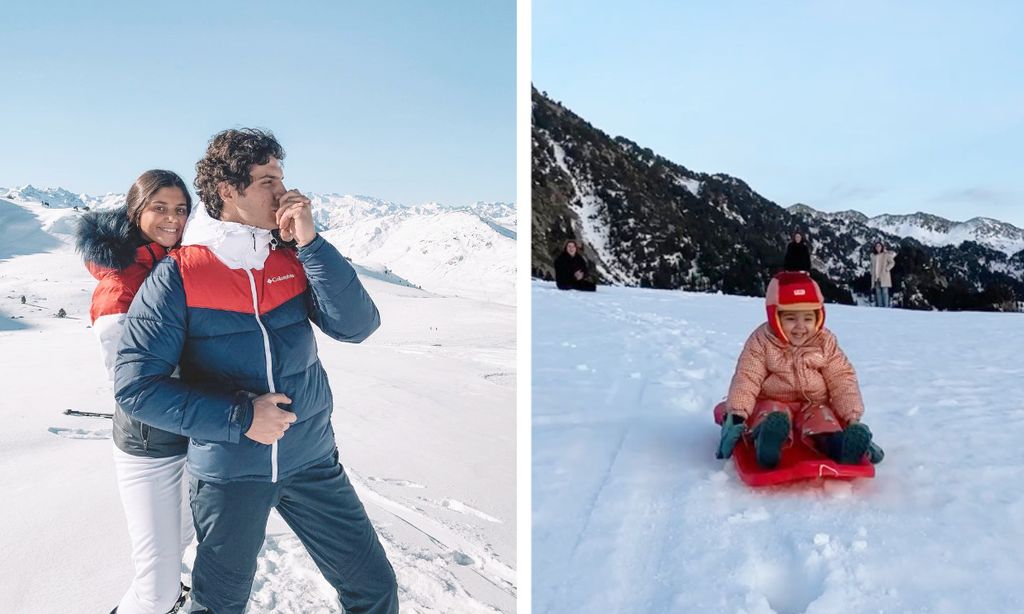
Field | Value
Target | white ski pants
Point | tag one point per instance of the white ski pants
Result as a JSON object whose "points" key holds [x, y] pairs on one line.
{"points": [[154, 493]]}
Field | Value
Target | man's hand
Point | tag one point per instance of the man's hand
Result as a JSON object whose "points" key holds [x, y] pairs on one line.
{"points": [[295, 218], [578, 275], [269, 422]]}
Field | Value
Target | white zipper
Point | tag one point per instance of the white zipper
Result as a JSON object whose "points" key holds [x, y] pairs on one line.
{"points": [[270, 365]]}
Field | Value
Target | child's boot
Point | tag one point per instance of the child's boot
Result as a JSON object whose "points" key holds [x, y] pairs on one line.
{"points": [[769, 437], [849, 446]]}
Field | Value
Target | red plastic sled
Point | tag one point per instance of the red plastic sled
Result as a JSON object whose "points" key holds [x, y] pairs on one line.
{"points": [[799, 462]]}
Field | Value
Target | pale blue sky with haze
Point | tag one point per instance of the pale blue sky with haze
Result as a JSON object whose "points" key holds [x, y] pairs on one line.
{"points": [[883, 107], [405, 101]]}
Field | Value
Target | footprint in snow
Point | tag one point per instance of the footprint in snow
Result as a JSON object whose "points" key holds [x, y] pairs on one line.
{"points": [[501, 378], [462, 508], [395, 482], [80, 433], [750, 516]]}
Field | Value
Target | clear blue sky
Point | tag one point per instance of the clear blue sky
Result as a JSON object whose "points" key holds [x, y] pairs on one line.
{"points": [[405, 101], [883, 107]]}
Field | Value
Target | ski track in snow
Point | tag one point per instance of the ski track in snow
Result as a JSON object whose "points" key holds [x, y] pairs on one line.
{"points": [[80, 433], [632, 512]]}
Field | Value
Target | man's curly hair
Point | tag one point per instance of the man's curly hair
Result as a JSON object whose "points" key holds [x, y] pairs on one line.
{"points": [[230, 157]]}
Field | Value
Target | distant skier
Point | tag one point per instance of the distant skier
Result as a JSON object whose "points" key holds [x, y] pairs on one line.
{"points": [[882, 262], [792, 378], [798, 254], [120, 247], [571, 270]]}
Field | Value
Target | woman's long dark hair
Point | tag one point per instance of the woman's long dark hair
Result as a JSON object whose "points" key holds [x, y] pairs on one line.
{"points": [[146, 186]]}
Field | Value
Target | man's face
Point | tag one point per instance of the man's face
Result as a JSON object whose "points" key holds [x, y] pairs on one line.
{"points": [[257, 205]]}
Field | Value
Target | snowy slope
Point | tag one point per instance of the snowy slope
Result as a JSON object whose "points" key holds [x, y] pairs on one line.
{"points": [[424, 415], [632, 512], [467, 251]]}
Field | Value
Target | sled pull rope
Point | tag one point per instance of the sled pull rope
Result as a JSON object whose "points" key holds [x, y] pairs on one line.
{"points": [[822, 468]]}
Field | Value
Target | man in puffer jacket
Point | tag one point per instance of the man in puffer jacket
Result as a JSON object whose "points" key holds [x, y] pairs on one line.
{"points": [[233, 308]]}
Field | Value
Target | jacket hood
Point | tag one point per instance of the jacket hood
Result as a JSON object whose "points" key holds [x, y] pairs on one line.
{"points": [[236, 245], [107, 238]]}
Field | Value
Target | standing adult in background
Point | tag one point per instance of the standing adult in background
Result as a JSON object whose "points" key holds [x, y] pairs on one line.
{"points": [[571, 270], [798, 254], [882, 262]]}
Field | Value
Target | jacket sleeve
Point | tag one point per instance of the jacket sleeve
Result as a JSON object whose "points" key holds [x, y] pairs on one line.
{"points": [[751, 371], [338, 303], [107, 329], [150, 348], [841, 380], [890, 261]]}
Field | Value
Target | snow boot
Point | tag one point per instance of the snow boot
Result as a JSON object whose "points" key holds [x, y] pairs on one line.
{"points": [[849, 446], [182, 596], [769, 437], [875, 453], [185, 589]]}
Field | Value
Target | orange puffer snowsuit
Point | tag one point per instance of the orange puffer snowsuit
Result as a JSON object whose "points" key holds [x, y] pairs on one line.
{"points": [[814, 381]]}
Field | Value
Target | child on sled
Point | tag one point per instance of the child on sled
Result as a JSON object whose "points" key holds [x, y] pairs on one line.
{"points": [[792, 380]]}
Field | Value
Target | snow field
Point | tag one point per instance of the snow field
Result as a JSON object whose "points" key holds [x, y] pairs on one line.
{"points": [[632, 512], [424, 415]]}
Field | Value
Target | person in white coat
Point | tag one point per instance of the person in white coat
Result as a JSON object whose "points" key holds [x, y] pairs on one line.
{"points": [[120, 248], [882, 262]]}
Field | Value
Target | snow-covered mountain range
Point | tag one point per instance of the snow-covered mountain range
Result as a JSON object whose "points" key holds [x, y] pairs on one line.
{"points": [[644, 220], [931, 229], [451, 250]]}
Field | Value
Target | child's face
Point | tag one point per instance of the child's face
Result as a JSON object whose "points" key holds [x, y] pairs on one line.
{"points": [[798, 325]]}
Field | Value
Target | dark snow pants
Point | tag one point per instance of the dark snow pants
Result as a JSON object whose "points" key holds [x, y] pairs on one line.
{"points": [[320, 505]]}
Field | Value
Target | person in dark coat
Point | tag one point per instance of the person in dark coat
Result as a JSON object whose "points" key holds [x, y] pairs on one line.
{"points": [[571, 270], [798, 254]]}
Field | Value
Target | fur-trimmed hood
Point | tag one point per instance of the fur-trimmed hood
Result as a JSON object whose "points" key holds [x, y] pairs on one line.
{"points": [[107, 239]]}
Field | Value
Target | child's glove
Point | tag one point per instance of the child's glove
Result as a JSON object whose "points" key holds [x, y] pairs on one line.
{"points": [[732, 430]]}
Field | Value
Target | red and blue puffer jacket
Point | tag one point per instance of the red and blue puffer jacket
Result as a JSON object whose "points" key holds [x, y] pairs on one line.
{"points": [[120, 259], [235, 315]]}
